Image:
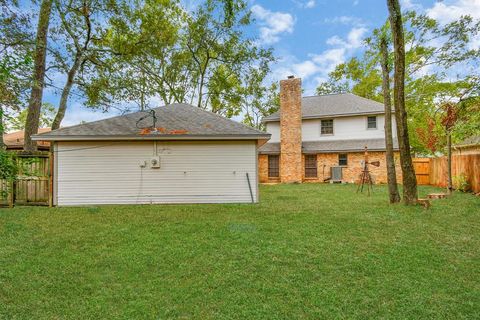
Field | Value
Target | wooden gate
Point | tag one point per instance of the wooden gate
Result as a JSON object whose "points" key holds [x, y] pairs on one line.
{"points": [[33, 183], [422, 170]]}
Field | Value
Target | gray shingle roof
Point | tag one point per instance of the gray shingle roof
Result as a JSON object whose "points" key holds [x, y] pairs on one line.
{"points": [[342, 104], [332, 146], [188, 122], [473, 140]]}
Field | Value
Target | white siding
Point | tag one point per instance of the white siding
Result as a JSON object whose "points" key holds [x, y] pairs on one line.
{"points": [[274, 129], [344, 128], [191, 172]]}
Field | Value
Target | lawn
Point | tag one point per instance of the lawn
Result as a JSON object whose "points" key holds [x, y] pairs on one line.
{"points": [[306, 251]]}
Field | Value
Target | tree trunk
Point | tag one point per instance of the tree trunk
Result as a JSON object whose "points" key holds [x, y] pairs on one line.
{"points": [[62, 107], [393, 193], [2, 130], [410, 195], [38, 80], [449, 162]]}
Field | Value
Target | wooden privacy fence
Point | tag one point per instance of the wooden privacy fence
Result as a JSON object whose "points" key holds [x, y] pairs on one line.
{"points": [[468, 165], [434, 171], [33, 183], [422, 170]]}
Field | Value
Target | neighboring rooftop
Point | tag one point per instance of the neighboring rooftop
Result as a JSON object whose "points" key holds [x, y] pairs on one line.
{"points": [[471, 141], [333, 146], [15, 140], [341, 104], [175, 121]]}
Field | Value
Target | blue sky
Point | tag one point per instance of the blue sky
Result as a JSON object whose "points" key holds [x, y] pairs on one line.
{"points": [[310, 37]]}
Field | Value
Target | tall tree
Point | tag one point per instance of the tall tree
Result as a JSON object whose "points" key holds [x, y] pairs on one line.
{"points": [[81, 30], [202, 57], [38, 79], [410, 194], [437, 53], [15, 61], [394, 195]]}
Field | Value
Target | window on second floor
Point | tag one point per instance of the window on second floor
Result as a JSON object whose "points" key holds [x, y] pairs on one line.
{"points": [[372, 122], [326, 127]]}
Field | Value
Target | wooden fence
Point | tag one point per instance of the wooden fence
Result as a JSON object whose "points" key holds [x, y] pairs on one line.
{"points": [[469, 165], [422, 170], [33, 184]]}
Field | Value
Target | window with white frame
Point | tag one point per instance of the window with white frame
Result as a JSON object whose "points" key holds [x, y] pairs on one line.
{"points": [[326, 127], [372, 122]]}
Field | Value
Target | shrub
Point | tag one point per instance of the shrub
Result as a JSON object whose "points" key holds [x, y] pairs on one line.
{"points": [[460, 183], [8, 168]]}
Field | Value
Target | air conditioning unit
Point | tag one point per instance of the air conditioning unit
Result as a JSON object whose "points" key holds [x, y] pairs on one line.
{"points": [[155, 162], [336, 174]]}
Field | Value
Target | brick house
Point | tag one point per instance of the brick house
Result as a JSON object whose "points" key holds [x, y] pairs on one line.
{"points": [[313, 137]]}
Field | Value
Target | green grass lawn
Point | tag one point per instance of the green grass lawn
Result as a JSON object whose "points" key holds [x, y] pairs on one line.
{"points": [[306, 251]]}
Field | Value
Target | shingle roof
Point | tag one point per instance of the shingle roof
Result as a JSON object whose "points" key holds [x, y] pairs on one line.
{"points": [[473, 140], [342, 104], [15, 140], [174, 121], [332, 146]]}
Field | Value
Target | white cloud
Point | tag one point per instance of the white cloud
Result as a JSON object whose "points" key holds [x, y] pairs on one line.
{"points": [[346, 20], [316, 68], [448, 11], [305, 69], [310, 4], [272, 24], [305, 4], [354, 39], [409, 5]]}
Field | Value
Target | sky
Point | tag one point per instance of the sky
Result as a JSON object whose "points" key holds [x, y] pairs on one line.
{"points": [[309, 37]]}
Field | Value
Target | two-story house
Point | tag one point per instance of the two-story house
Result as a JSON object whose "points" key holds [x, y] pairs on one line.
{"points": [[315, 137]]}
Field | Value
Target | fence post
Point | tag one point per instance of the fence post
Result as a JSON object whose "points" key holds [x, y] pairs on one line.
{"points": [[10, 193], [50, 178]]}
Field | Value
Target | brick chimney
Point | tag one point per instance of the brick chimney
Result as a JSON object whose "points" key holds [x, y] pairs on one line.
{"points": [[291, 130]]}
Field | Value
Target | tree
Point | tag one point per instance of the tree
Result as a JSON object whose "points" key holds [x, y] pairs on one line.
{"points": [[80, 28], [410, 195], [15, 61], [332, 87], [17, 121], [164, 53], [38, 81], [394, 195], [454, 110], [435, 54]]}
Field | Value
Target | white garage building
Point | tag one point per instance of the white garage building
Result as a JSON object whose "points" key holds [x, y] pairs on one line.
{"points": [[174, 154]]}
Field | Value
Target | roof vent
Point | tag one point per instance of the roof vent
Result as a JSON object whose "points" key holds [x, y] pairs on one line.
{"points": [[291, 77]]}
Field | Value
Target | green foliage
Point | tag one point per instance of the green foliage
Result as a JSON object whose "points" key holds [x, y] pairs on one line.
{"points": [[460, 183], [17, 120], [8, 170], [432, 52], [8, 165], [157, 50], [332, 87]]}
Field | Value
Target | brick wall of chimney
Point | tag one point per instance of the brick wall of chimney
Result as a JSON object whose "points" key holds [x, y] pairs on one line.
{"points": [[291, 130]]}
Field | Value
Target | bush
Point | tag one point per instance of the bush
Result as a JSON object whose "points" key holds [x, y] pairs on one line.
{"points": [[8, 165], [8, 168], [460, 183]]}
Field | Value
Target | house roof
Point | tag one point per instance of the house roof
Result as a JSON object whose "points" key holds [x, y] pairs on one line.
{"points": [[469, 142], [174, 122], [341, 104], [333, 146], [15, 140]]}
